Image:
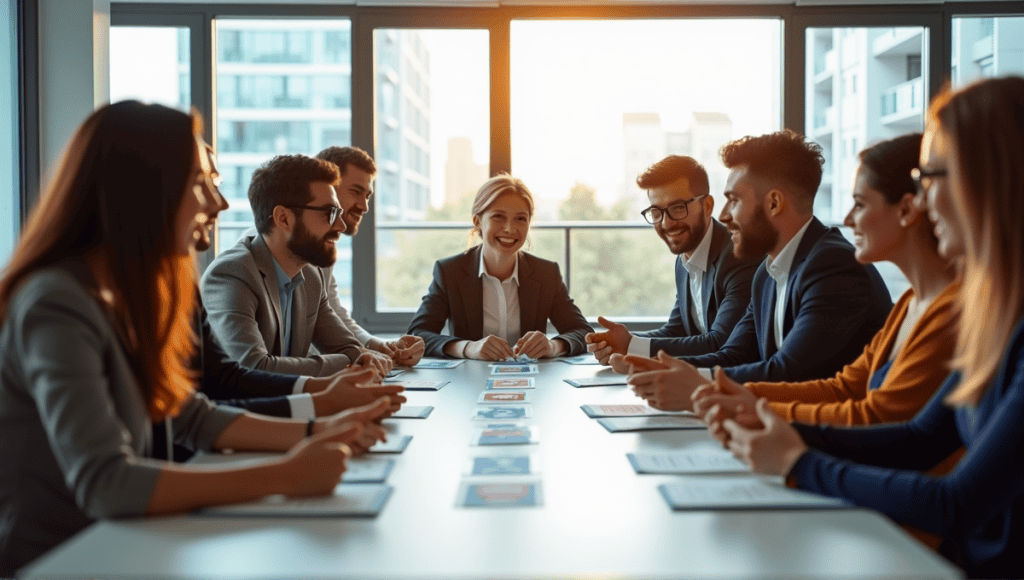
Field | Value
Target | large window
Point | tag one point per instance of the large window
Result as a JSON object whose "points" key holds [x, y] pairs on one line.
{"points": [[987, 47], [151, 64], [283, 87], [432, 125], [10, 186], [594, 103]]}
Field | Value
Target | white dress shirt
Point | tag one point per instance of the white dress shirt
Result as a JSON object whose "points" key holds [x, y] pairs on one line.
{"points": [[696, 265], [779, 269], [501, 304]]}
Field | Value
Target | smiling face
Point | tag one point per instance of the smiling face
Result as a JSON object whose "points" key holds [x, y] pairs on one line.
{"points": [[877, 234], [681, 236], [354, 193], [936, 154], [215, 202], [191, 215], [753, 234], [505, 224], [313, 240]]}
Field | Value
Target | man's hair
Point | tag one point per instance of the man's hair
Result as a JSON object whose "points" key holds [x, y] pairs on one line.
{"points": [[672, 168], [345, 156], [285, 180], [783, 157]]}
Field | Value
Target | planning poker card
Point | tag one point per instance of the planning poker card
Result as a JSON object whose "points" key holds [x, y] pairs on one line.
{"points": [[506, 434], [394, 373], [514, 369], [394, 444], [583, 359], [504, 397], [413, 412], [511, 383], [525, 494], [509, 412], [504, 465], [435, 363], [367, 469]]}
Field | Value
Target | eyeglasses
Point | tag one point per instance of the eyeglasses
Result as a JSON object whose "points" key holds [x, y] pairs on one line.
{"points": [[332, 211], [923, 178], [677, 211]]}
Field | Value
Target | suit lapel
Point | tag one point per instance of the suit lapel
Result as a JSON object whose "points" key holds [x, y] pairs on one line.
{"points": [[472, 289], [767, 342], [686, 308], [265, 263], [528, 286], [812, 234]]}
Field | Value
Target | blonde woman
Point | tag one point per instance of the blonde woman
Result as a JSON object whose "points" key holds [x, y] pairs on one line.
{"points": [[972, 174], [497, 298]]}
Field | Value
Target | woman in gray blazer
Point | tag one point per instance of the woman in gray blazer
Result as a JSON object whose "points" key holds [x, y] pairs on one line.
{"points": [[497, 298], [95, 337]]}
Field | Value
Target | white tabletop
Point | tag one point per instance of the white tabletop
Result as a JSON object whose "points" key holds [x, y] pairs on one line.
{"points": [[599, 518]]}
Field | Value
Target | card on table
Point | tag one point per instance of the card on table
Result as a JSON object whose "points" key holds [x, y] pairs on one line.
{"points": [[394, 444], [505, 434], [617, 424], [394, 373], [507, 412], [504, 397], [608, 381], [527, 494], [583, 359], [504, 465], [349, 499], [413, 412], [514, 369], [741, 493], [511, 383], [419, 385], [438, 363], [687, 462], [630, 411], [367, 469]]}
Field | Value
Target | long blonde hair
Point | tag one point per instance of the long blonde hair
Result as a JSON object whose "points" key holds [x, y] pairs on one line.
{"points": [[984, 123]]}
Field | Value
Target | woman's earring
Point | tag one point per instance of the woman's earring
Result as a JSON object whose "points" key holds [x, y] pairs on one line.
{"points": [[903, 222]]}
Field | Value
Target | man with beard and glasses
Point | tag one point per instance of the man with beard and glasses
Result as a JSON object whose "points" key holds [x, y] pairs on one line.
{"points": [[357, 170], [712, 284], [813, 307], [267, 297]]}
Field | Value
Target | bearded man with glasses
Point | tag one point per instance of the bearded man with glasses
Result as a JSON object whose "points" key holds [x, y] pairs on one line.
{"points": [[712, 284]]}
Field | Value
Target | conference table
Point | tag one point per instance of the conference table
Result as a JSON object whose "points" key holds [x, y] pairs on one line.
{"points": [[598, 517]]}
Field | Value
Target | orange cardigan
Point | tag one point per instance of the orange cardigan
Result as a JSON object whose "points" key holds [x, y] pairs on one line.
{"points": [[916, 373]]}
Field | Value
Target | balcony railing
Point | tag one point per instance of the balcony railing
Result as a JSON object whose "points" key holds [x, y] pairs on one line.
{"points": [[904, 99]]}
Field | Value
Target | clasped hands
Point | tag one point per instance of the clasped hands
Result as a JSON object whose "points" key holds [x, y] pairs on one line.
{"points": [[742, 423], [352, 387], [534, 344], [404, 351]]}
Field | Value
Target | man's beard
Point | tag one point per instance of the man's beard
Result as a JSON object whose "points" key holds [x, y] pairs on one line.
{"points": [[318, 252], [757, 237], [697, 232]]}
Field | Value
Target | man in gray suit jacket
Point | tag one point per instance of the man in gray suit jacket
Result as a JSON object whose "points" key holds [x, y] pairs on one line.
{"points": [[267, 297]]}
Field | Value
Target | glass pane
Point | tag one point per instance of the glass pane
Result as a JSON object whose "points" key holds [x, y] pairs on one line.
{"points": [[9, 167], [283, 87], [151, 64], [987, 47], [594, 103], [432, 150]]}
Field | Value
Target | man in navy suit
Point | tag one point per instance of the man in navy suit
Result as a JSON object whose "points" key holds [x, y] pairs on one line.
{"points": [[712, 284], [812, 308]]}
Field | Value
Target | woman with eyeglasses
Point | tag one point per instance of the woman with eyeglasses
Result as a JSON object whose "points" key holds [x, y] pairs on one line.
{"points": [[497, 298], [908, 360], [95, 342], [973, 177]]}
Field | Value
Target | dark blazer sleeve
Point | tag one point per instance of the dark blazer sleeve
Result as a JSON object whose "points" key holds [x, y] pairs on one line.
{"points": [[434, 311], [732, 284], [566, 317]]}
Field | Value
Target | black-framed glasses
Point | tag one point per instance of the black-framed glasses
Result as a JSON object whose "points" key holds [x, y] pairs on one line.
{"points": [[332, 211], [923, 178], [676, 211]]}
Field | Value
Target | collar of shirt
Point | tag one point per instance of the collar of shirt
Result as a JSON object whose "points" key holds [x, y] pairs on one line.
{"points": [[699, 258], [513, 278], [284, 284], [780, 266]]}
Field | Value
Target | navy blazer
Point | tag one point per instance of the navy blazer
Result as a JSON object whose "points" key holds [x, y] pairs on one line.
{"points": [[834, 306], [726, 295], [456, 294]]}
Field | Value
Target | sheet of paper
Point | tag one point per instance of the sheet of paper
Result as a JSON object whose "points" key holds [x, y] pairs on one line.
{"points": [[367, 469], [394, 444], [511, 383], [606, 381], [419, 385], [617, 424], [526, 494], [687, 462], [630, 411], [348, 500], [741, 493], [413, 412], [438, 363], [504, 397], [503, 412]]}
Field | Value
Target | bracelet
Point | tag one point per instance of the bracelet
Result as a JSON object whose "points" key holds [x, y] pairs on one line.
{"points": [[465, 345], [309, 427]]}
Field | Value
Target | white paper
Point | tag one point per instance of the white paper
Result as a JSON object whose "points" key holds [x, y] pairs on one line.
{"points": [[687, 462], [616, 424], [348, 500], [741, 493], [630, 411]]}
